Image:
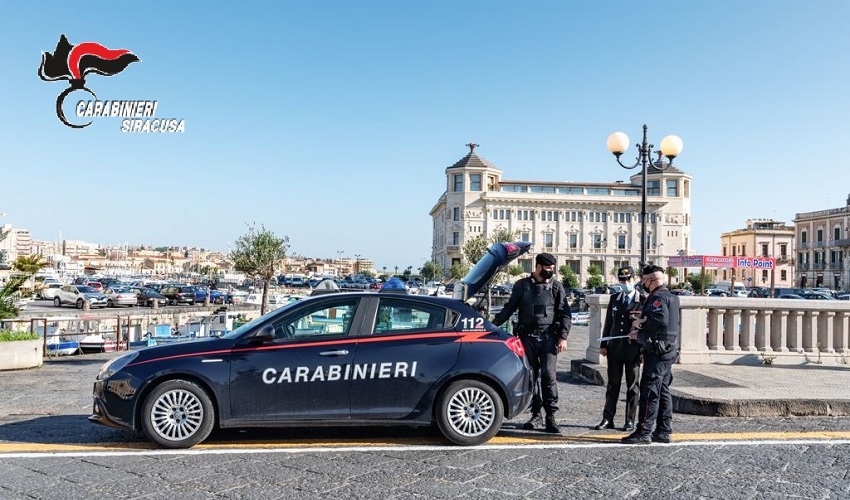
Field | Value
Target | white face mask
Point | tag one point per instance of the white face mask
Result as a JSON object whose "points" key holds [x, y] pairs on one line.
{"points": [[629, 286]]}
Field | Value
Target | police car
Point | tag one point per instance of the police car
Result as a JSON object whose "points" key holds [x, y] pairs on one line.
{"points": [[352, 358]]}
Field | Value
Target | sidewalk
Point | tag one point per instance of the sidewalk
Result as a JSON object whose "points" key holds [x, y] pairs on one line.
{"points": [[741, 390]]}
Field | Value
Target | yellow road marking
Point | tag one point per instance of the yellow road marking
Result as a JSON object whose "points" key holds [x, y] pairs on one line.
{"points": [[406, 442]]}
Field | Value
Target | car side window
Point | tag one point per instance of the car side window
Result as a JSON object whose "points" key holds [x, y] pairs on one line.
{"points": [[324, 319], [399, 315]]}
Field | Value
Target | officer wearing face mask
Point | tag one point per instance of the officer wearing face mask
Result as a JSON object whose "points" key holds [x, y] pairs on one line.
{"points": [[544, 324], [623, 354]]}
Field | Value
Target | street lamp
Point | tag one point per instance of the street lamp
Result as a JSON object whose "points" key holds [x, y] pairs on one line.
{"points": [[671, 146], [357, 263]]}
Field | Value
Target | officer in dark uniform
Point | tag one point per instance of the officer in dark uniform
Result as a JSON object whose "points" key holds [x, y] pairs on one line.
{"points": [[657, 331], [544, 324], [623, 354]]}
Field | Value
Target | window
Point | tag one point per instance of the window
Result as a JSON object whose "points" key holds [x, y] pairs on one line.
{"points": [[455, 238], [549, 215], [783, 275], [597, 241], [526, 237], [514, 189], [836, 233], [744, 250], [594, 190], [456, 213], [763, 275], [820, 235], [625, 192], [326, 318], [764, 250], [570, 190], [572, 216], [573, 240], [501, 214], [399, 315], [783, 250], [672, 188], [491, 183], [475, 182], [549, 240], [653, 188], [458, 179], [687, 188], [542, 189], [803, 237], [621, 241]]}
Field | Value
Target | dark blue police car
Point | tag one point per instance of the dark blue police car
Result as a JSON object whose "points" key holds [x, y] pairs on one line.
{"points": [[352, 358]]}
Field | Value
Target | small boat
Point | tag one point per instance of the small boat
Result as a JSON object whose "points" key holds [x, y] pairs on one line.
{"points": [[96, 342], [62, 347]]}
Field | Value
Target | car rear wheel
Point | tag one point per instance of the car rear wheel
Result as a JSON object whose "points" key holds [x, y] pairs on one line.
{"points": [[177, 414], [469, 412], [57, 302], [109, 303], [80, 304]]}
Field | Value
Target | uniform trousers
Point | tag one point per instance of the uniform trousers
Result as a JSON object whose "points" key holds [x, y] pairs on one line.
{"points": [[656, 403], [542, 355], [622, 359]]}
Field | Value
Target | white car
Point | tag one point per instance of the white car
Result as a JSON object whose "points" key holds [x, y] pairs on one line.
{"points": [[77, 295], [49, 290], [120, 296]]}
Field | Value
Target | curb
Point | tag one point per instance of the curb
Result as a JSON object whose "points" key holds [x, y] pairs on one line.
{"points": [[685, 403]]}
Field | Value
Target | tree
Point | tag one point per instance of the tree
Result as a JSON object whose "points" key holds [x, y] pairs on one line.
{"points": [[458, 270], [258, 254], [475, 248], [595, 279], [568, 277], [431, 270], [698, 281], [29, 264], [8, 292]]}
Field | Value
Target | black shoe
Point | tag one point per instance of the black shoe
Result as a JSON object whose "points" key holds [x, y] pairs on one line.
{"points": [[662, 438], [629, 427], [535, 421], [635, 438], [552, 425], [604, 424]]}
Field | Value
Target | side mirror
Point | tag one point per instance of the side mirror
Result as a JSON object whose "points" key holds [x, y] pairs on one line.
{"points": [[265, 334]]}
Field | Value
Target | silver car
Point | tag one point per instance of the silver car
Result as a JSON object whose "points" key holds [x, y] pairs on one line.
{"points": [[120, 296], [77, 295]]}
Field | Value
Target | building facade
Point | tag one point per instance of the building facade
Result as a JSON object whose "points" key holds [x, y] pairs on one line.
{"points": [[582, 224], [761, 238], [14, 242], [823, 247]]}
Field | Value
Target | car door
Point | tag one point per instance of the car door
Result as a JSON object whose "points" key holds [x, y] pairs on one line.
{"points": [[408, 349], [304, 373]]}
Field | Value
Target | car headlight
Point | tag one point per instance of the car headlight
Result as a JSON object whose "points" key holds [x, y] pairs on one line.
{"points": [[112, 366]]}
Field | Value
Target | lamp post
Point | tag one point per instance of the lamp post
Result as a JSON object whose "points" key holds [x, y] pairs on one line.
{"points": [[357, 263], [671, 146]]}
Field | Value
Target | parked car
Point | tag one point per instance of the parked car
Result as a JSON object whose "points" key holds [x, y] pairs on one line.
{"points": [[817, 296], [119, 296], [429, 361], [77, 295], [49, 291], [145, 296], [179, 294], [97, 286], [791, 296]]}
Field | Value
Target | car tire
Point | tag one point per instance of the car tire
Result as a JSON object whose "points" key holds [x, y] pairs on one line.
{"points": [[469, 412], [57, 302], [109, 303], [80, 304], [177, 414]]}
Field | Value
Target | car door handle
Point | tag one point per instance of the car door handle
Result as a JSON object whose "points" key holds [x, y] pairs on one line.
{"points": [[342, 352]]}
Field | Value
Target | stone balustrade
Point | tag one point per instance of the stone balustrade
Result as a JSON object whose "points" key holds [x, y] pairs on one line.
{"points": [[728, 330]]}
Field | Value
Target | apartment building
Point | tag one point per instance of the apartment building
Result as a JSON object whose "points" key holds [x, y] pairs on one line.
{"points": [[823, 247], [761, 238], [14, 242], [581, 223]]}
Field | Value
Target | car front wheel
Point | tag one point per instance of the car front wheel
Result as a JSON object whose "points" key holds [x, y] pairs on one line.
{"points": [[469, 412], [177, 414], [57, 302]]}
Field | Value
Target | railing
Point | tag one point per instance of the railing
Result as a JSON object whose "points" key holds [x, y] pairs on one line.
{"points": [[749, 330]]}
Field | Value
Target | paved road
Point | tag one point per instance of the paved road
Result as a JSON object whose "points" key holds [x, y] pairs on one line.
{"points": [[48, 450]]}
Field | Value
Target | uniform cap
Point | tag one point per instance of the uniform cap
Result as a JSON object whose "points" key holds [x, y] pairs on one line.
{"points": [[651, 269], [546, 259], [625, 273]]}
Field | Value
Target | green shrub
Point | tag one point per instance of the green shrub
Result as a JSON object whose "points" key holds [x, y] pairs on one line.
{"points": [[12, 335]]}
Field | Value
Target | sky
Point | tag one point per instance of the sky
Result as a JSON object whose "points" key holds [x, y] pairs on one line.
{"points": [[332, 122]]}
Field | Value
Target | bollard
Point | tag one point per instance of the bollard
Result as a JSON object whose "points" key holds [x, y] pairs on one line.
{"points": [[155, 304], [86, 305]]}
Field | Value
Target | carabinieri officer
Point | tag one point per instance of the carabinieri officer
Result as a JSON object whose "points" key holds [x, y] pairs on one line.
{"points": [[657, 331]]}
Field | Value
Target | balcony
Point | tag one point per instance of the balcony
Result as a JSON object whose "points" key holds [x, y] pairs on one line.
{"points": [[804, 266], [841, 243], [803, 246]]}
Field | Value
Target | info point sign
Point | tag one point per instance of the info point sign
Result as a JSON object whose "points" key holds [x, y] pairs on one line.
{"points": [[722, 261]]}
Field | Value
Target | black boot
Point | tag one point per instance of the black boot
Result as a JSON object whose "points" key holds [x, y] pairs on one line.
{"points": [[552, 425], [535, 421]]}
